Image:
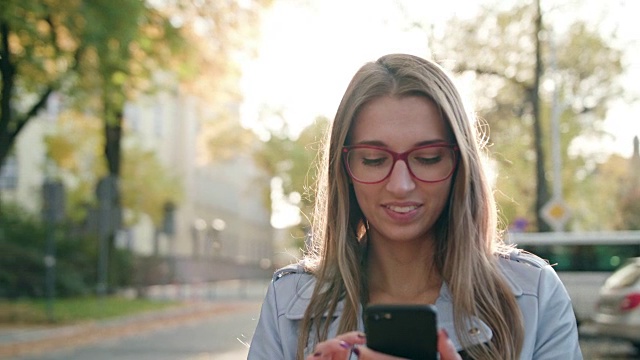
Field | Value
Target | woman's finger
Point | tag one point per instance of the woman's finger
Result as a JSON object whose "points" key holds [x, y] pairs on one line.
{"points": [[331, 349], [446, 348], [364, 353], [337, 348]]}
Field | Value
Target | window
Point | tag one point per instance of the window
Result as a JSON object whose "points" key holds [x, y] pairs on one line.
{"points": [[9, 174]]}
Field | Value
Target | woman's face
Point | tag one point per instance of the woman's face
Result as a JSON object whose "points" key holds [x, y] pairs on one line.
{"points": [[401, 208]]}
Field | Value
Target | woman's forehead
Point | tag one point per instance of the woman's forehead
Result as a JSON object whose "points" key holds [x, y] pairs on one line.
{"points": [[403, 120]]}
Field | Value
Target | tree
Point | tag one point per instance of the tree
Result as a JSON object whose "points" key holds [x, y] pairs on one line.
{"points": [[294, 160], [509, 54], [627, 174], [102, 53], [81, 49], [222, 35], [146, 185], [609, 186], [77, 159], [38, 52]]}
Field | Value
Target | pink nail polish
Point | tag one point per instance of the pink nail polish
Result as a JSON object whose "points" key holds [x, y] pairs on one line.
{"points": [[345, 345]]}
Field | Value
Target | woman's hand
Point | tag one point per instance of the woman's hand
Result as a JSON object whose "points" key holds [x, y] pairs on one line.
{"points": [[338, 348], [446, 348], [343, 345]]}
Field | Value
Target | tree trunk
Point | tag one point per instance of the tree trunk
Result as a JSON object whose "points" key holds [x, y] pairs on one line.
{"points": [[542, 189], [113, 137]]}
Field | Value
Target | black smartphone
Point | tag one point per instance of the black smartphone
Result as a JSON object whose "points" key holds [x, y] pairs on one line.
{"points": [[408, 331]]}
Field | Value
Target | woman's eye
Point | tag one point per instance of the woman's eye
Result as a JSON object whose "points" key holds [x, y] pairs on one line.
{"points": [[427, 160], [373, 161]]}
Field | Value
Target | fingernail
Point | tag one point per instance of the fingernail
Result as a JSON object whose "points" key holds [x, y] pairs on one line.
{"points": [[317, 354], [361, 335], [444, 331], [345, 345]]}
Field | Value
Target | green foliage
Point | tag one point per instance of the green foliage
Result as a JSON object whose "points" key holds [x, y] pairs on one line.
{"points": [[602, 186], [22, 250], [74, 310], [77, 159], [294, 160], [145, 183], [226, 138], [627, 175], [630, 210], [497, 49], [124, 43]]}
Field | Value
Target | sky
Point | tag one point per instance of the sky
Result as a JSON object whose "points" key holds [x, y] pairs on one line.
{"points": [[309, 50]]}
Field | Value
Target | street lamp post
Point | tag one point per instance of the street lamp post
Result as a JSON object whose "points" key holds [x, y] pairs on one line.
{"points": [[53, 214], [217, 226], [197, 229]]}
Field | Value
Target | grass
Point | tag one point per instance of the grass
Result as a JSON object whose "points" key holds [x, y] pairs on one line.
{"points": [[74, 310]]}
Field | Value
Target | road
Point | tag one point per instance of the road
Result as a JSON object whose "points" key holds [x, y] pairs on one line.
{"points": [[224, 336], [221, 337], [606, 349]]}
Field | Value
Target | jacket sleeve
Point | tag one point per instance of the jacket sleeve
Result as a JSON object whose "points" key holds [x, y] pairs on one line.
{"points": [[557, 333], [266, 343]]}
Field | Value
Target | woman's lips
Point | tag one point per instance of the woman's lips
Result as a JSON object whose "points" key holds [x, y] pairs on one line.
{"points": [[402, 208], [402, 212]]}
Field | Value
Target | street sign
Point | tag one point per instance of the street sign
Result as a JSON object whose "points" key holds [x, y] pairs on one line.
{"points": [[53, 205], [556, 213]]}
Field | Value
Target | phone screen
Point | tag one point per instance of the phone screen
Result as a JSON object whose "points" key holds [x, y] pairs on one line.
{"points": [[408, 331]]}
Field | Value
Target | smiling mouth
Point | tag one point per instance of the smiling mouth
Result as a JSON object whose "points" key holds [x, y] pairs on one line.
{"points": [[402, 209]]}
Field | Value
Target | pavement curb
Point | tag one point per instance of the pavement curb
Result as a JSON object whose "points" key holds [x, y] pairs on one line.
{"points": [[37, 341]]}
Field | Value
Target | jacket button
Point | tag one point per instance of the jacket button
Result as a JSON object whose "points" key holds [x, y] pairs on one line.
{"points": [[474, 331]]}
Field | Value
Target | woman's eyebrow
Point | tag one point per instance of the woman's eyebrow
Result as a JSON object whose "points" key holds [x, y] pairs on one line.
{"points": [[372, 143], [431, 142], [381, 143]]}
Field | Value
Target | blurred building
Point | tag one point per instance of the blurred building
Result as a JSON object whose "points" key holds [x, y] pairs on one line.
{"points": [[221, 229]]}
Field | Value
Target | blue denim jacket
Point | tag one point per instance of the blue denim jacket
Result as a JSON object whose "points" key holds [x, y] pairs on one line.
{"points": [[550, 325]]}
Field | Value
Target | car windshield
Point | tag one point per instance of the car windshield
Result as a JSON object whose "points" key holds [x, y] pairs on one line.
{"points": [[624, 277]]}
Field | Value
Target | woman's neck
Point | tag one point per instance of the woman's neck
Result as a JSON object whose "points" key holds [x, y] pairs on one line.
{"points": [[402, 273]]}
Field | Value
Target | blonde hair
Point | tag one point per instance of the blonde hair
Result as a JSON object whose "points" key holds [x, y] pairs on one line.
{"points": [[468, 241]]}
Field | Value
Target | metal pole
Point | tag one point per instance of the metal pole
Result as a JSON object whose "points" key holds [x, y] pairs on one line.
{"points": [[53, 214], [50, 268], [555, 131], [105, 227]]}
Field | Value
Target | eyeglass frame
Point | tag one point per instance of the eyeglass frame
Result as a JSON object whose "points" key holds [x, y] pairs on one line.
{"points": [[404, 156]]}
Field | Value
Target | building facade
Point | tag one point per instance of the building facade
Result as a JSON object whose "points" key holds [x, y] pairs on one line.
{"points": [[220, 229]]}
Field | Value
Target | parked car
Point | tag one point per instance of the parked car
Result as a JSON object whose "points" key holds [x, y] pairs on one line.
{"points": [[617, 312]]}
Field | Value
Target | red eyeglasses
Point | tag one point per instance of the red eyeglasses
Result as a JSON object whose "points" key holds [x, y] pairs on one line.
{"points": [[372, 164]]}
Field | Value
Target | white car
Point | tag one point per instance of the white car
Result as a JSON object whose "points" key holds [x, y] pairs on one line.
{"points": [[617, 312]]}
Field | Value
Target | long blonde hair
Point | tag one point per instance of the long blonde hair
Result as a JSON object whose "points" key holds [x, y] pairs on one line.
{"points": [[468, 240]]}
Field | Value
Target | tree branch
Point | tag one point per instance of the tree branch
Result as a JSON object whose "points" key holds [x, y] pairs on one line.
{"points": [[21, 122], [487, 71]]}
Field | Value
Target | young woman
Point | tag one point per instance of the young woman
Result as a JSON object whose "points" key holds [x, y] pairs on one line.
{"points": [[405, 215]]}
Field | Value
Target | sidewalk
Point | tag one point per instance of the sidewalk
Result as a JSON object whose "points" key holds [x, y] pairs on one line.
{"points": [[195, 305], [24, 341]]}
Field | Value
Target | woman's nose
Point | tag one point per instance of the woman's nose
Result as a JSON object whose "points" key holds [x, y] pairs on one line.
{"points": [[400, 181]]}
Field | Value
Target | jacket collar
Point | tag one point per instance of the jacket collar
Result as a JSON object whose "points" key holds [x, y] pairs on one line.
{"points": [[302, 298]]}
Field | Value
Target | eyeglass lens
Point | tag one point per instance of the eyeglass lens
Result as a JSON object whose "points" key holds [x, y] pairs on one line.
{"points": [[369, 164]]}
